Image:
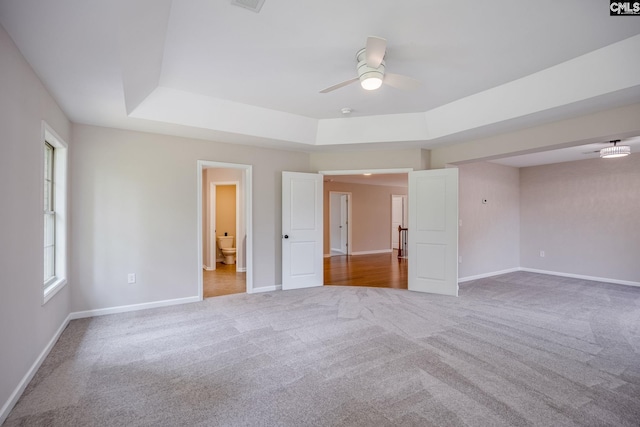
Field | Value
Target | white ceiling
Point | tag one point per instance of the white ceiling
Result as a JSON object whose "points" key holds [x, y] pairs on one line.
{"points": [[578, 152], [208, 69]]}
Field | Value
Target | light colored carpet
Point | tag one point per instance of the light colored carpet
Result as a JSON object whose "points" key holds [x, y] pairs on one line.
{"points": [[519, 349]]}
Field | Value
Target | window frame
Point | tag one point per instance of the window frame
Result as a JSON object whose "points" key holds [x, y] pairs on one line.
{"points": [[58, 198], [49, 211]]}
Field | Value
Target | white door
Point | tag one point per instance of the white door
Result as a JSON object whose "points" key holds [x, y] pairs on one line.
{"points": [[344, 205], [302, 233], [433, 231], [335, 222], [397, 215]]}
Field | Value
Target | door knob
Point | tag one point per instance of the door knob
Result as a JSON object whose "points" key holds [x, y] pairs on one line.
{"points": [[286, 236]]}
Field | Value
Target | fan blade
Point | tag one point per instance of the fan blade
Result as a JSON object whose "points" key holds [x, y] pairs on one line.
{"points": [[401, 82], [376, 48], [339, 85]]}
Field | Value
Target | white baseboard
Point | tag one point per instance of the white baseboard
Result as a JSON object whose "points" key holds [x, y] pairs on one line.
{"points": [[132, 307], [266, 289], [13, 399], [583, 277], [552, 273], [207, 268], [241, 270], [380, 251], [485, 275]]}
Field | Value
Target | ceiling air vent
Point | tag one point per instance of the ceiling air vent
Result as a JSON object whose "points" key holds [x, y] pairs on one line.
{"points": [[254, 5]]}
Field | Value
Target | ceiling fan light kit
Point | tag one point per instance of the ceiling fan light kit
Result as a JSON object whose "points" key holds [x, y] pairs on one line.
{"points": [[615, 150], [370, 82]]}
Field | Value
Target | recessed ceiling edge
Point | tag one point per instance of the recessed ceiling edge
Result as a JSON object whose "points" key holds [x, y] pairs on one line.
{"points": [[254, 5]]}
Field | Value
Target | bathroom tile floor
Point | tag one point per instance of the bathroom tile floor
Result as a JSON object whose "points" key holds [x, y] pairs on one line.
{"points": [[223, 281]]}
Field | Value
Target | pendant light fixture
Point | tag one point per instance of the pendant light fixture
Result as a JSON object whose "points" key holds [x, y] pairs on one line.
{"points": [[615, 150]]}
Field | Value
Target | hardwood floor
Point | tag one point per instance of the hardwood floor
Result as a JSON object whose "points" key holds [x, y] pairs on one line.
{"points": [[223, 281], [376, 270]]}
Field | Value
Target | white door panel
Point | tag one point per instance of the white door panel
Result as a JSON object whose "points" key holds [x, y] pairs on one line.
{"points": [[302, 233], [344, 209], [396, 220], [433, 231]]}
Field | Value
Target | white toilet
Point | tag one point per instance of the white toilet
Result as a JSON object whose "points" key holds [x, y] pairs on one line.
{"points": [[225, 243]]}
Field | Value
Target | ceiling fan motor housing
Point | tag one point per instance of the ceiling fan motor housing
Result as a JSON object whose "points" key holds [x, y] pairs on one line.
{"points": [[366, 72]]}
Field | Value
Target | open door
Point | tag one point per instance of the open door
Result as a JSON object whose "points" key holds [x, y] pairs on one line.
{"points": [[302, 233], [344, 224], [433, 231], [397, 219]]}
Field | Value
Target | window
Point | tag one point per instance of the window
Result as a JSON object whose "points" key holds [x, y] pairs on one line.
{"points": [[49, 217], [55, 213]]}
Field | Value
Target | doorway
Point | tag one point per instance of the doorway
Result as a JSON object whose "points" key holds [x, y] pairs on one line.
{"points": [[223, 216], [224, 274], [371, 260], [339, 223], [215, 276], [432, 215]]}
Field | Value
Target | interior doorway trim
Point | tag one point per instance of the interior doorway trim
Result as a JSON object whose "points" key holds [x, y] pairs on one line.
{"points": [[363, 171], [248, 210]]}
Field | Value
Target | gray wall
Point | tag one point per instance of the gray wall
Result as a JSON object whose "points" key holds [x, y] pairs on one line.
{"points": [[26, 326], [489, 238], [585, 215], [134, 210], [414, 158]]}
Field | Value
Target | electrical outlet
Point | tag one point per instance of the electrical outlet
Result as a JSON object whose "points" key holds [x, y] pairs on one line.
{"points": [[131, 278], [542, 254]]}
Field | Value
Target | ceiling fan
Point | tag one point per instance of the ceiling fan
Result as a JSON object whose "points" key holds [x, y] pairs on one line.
{"points": [[612, 151], [371, 69]]}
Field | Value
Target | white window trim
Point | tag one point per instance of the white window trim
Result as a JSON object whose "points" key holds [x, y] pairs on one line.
{"points": [[60, 153]]}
